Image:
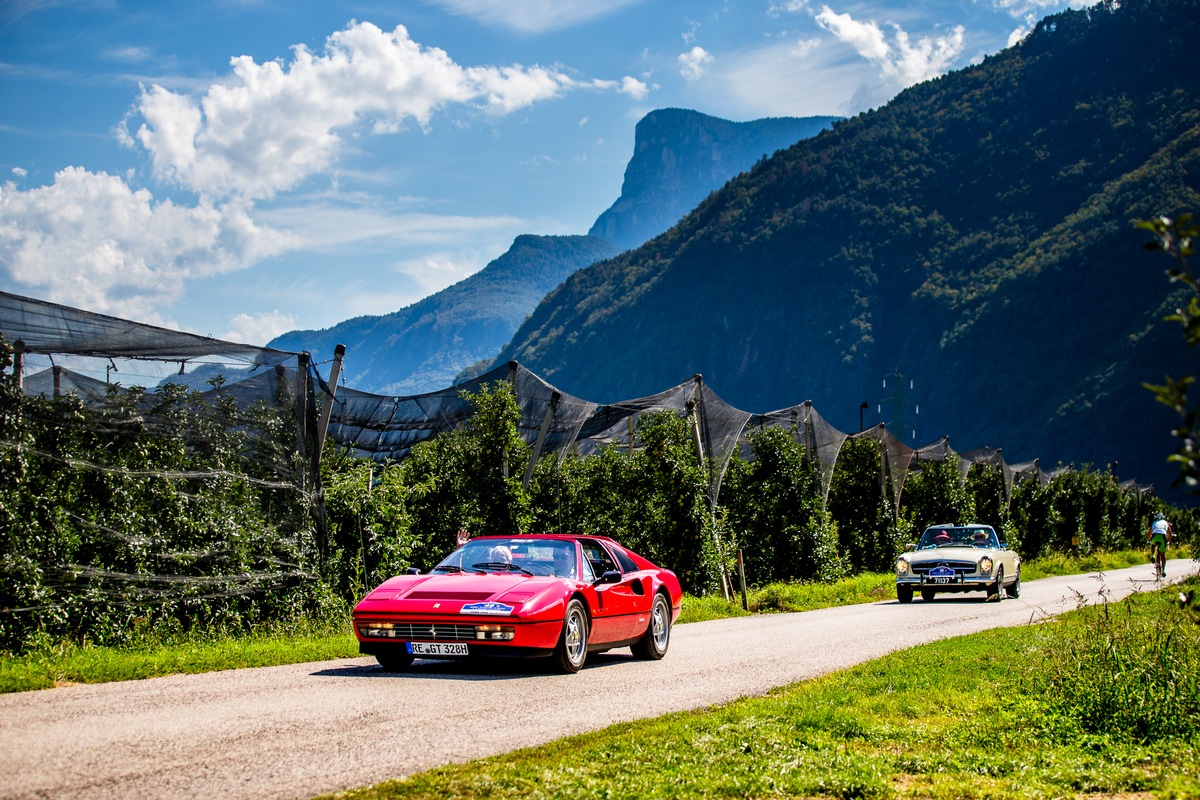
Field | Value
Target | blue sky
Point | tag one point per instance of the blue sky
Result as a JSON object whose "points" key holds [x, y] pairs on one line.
{"points": [[240, 168]]}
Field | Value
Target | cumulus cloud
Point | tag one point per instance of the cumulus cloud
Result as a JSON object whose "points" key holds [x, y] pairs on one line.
{"points": [[899, 60], [258, 328], [534, 16], [694, 63], [269, 126], [89, 240]]}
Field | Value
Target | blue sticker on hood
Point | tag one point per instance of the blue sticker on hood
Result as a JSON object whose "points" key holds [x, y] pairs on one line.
{"points": [[490, 609]]}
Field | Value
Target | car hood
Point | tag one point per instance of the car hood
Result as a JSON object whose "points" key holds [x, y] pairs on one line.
{"points": [[950, 553], [489, 594]]}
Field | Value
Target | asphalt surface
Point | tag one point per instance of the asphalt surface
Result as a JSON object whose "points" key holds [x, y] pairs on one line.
{"points": [[308, 729]]}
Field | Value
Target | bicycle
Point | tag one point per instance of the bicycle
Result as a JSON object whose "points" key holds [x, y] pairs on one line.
{"points": [[1159, 557]]}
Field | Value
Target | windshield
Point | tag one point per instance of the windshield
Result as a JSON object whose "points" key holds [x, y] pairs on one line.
{"points": [[550, 557], [965, 536]]}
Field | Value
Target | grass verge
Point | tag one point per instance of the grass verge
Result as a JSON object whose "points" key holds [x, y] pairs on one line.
{"points": [[318, 640], [1008, 713]]}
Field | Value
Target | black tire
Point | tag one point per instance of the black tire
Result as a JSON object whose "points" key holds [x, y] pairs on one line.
{"points": [[654, 642], [903, 593], [394, 662], [571, 651], [1014, 591], [928, 594], [996, 590]]}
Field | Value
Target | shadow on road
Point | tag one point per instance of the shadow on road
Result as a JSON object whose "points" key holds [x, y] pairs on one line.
{"points": [[470, 669]]}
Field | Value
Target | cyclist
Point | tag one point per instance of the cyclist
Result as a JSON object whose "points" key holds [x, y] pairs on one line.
{"points": [[1160, 537]]}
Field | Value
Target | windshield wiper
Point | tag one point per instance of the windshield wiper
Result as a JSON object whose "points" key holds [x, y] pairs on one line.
{"points": [[453, 568], [501, 565]]}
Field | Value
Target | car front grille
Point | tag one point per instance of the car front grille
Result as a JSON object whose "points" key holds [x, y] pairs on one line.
{"points": [[429, 632], [960, 567]]}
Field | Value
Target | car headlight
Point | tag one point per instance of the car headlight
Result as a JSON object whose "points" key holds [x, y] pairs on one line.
{"points": [[901, 567], [985, 566]]}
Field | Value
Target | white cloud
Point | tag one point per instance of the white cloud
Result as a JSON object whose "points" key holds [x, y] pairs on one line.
{"points": [[258, 328], [89, 240], [20, 172], [899, 61], [1036, 8], [269, 126], [534, 16], [694, 63]]}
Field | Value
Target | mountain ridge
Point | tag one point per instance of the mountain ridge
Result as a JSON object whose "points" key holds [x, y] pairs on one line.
{"points": [[972, 236]]}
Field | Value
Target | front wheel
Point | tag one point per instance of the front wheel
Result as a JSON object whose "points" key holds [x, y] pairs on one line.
{"points": [[996, 590], [571, 651], [654, 642], [903, 593], [394, 662], [1014, 591]]}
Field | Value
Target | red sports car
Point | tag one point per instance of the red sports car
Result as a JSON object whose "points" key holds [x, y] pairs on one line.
{"points": [[539, 595]]}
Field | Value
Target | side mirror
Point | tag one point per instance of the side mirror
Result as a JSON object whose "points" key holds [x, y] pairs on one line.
{"points": [[611, 576], [413, 571]]}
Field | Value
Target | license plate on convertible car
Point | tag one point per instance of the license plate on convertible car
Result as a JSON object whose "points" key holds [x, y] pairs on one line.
{"points": [[941, 575], [437, 648]]}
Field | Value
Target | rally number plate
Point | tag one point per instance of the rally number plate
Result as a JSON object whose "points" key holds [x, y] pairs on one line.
{"points": [[941, 575]]}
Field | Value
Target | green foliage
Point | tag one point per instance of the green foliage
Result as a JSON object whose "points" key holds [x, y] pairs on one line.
{"points": [[869, 537], [937, 493], [370, 525], [653, 500], [159, 510], [775, 512], [1127, 670], [468, 479], [1077, 511], [1175, 237]]}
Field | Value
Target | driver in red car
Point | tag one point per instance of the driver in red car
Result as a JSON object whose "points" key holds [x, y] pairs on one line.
{"points": [[564, 562]]}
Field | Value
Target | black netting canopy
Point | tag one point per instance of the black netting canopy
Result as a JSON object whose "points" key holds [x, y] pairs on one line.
{"points": [[385, 428], [48, 328]]}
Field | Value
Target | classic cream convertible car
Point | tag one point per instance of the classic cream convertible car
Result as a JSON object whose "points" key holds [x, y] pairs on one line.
{"points": [[958, 558]]}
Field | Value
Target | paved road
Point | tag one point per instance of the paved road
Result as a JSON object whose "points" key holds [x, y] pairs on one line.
{"points": [[307, 729]]}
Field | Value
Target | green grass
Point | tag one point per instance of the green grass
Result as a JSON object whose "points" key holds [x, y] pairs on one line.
{"points": [[974, 717], [197, 652], [66, 663]]}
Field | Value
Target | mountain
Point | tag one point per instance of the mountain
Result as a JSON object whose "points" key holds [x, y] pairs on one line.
{"points": [[423, 346], [680, 157], [971, 239]]}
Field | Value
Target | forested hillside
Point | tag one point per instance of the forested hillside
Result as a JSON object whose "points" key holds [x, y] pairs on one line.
{"points": [[973, 236], [424, 346]]}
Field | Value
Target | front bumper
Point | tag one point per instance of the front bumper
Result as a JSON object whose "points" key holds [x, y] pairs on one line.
{"points": [[960, 583], [389, 634]]}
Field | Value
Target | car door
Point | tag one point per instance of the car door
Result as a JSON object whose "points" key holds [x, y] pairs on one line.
{"points": [[622, 607]]}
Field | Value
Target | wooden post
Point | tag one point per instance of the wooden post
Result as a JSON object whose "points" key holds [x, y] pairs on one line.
{"points": [[335, 372], [302, 361], [742, 581], [57, 372], [19, 365]]}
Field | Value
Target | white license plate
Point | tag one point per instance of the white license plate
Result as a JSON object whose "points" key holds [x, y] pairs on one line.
{"points": [[437, 648]]}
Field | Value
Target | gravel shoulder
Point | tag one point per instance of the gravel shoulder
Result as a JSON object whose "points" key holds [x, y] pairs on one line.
{"points": [[306, 729]]}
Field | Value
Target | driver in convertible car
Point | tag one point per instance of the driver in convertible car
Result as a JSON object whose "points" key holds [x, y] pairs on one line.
{"points": [[500, 555], [941, 538]]}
